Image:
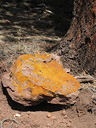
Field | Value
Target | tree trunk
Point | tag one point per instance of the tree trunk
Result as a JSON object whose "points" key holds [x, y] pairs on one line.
{"points": [[78, 47]]}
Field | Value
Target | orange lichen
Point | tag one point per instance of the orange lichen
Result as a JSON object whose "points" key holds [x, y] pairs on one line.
{"points": [[43, 74]]}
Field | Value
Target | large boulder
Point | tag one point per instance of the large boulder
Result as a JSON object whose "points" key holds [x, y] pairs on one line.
{"points": [[40, 77]]}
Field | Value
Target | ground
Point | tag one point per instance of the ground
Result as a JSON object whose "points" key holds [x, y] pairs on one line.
{"points": [[80, 115], [23, 31]]}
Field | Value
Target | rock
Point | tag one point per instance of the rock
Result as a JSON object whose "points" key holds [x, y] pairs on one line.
{"points": [[67, 70], [40, 77], [48, 125], [17, 115], [65, 117], [63, 112], [49, 115], [53, 118]]}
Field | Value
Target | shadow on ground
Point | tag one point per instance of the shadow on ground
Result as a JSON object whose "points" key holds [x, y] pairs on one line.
{"points": [[36, 17], [44, 106], [31, 26]]}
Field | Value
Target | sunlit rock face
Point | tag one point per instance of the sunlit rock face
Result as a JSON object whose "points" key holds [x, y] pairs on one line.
{"points": [[40, 77]]}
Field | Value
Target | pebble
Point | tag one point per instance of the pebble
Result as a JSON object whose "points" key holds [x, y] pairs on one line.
{"points": [[65, 116], [48, 124], [63, 113], [53, 118], [49, 115], [67, 70], [17, 115]]}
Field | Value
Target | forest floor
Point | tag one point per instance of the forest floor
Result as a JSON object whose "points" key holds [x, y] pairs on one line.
{"points": [[25, 29]]}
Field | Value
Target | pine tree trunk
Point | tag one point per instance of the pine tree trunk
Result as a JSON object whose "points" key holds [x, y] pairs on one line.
{"points": [[78, 47]]}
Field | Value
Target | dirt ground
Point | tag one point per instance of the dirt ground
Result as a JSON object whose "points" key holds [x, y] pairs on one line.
{"points": [[80, 115], [23, 30]]}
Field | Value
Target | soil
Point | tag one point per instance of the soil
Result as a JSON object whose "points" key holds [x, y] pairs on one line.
{"points": [[22, 32], [80, 115]]}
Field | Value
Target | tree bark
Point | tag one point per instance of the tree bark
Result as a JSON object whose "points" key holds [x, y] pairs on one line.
{"points": [[78, 47]]}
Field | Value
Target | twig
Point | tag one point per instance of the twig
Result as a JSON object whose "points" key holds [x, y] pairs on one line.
{"points": [[85, 79]]}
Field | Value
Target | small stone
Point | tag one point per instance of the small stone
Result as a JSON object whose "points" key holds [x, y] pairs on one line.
{"points": [[17, 115], [53, 118], [67, 70], [48, 125], [65, 116], [63, 113], [49, 115]]}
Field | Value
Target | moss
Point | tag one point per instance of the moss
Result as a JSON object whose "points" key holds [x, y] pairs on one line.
{"points": [[43, 74]]}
